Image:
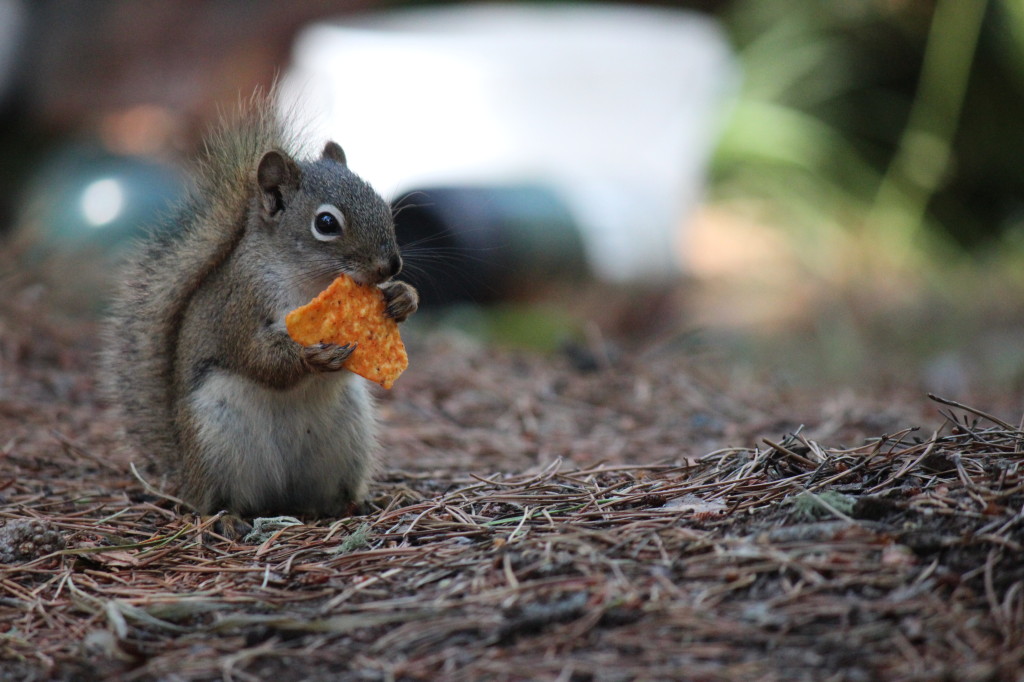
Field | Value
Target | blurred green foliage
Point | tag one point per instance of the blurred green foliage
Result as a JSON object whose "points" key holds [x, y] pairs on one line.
{"points": [[903, 117]]}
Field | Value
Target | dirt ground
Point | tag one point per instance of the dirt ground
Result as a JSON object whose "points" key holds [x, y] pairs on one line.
{"points": [[592, 514]]}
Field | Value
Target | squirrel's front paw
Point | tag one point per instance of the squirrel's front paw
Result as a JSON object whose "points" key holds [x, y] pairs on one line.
{"points": [[327, 357], [401, 299]]}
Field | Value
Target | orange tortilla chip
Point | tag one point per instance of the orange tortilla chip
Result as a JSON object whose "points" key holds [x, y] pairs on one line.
{"points": [[345, 313]]}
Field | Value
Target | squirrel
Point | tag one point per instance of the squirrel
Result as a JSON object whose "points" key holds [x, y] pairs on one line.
{"points": [[209, 385]]}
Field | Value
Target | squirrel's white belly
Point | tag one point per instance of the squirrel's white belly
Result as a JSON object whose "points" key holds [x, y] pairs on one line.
{"points": [[306, 448]]}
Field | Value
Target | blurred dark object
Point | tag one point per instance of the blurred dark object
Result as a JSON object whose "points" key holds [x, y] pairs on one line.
{"points": [[12, 33], [88, 58], [482, 244]]}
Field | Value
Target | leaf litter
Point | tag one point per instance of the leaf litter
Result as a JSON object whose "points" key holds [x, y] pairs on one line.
{"points": [[653, 518]]}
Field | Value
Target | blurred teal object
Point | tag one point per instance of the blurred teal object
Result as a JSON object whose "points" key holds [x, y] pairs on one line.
{"points": [[88, 201]]}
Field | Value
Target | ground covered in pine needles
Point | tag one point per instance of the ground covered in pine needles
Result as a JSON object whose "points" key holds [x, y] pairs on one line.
{"points": [[590, 515]]}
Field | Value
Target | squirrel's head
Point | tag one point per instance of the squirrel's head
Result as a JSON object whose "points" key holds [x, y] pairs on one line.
{"points": [[327, 217]]}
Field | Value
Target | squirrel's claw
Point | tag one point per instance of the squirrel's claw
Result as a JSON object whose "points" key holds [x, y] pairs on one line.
{"points": [[327, 357], [401, 299]]}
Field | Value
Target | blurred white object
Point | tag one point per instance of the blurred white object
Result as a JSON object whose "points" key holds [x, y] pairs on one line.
{"points": [[615, 108]]}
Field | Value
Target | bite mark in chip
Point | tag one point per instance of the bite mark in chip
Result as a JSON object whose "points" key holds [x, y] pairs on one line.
{"points": [[346, 313]]}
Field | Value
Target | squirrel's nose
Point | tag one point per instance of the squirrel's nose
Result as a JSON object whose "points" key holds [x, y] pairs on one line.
{"points": [[391, 267]]}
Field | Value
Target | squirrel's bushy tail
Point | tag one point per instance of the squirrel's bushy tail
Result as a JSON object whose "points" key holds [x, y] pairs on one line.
{"points": [[163, 272], [231, 151]]}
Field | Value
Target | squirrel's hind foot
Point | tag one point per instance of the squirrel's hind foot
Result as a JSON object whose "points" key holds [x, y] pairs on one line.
{"points": [[231, 527]]}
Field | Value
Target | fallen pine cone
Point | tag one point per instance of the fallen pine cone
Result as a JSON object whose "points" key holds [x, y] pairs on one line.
{"points": [[24, 540]]}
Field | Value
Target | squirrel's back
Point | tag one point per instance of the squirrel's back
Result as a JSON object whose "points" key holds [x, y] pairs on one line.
{"points": [[163, 272]]}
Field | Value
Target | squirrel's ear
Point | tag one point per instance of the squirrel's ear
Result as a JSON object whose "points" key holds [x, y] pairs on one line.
{"points": [[275, 173], [334, 152]]}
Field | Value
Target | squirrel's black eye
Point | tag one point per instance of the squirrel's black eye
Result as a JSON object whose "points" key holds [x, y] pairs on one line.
{"points": [[328, 223]]}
